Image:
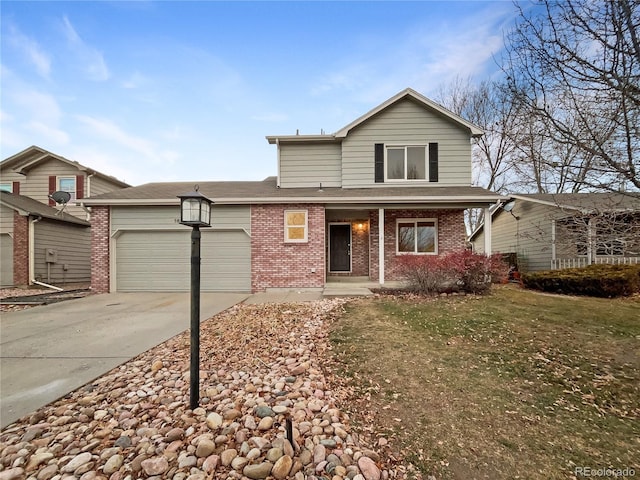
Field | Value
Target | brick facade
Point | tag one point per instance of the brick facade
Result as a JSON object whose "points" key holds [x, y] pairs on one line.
{"points": [[451, 236], [20, 249], [276, 264], [100, 249]]}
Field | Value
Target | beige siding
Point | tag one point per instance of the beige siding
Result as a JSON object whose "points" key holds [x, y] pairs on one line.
{"points": [[167, 218], [406, 123], [6, 219], [308, 165], [73, 252], [98, 186]]}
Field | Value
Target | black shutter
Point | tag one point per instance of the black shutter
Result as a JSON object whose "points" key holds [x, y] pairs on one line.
{"points": [[433, 162], [379, 162]]}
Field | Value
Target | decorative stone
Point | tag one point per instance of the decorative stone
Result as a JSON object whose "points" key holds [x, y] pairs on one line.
{"points": [[265, 424], [274, 454], [155, 466], [210, 463], [113, 464], [214, 421], [123, 442], [263, 411], [368, 468], [76, 462], [282, 467], [259, 471], [227, 456], [205, 448]]}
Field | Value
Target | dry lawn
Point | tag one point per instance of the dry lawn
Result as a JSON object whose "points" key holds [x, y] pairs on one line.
{"points": [[513, 385]]}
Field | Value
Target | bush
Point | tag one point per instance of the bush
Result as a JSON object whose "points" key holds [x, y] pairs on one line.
{"points": [[595, 280], [461, 271]]}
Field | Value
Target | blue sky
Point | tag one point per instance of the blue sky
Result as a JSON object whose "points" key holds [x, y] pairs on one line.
{"points": [[169, 91]]}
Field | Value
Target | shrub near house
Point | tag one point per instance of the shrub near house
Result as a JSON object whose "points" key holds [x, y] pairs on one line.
{"points": [[460, 271], [594, 280]]}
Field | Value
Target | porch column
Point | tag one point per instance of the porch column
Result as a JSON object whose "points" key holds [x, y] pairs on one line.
{"points": [[381, 246], [487, 231]]}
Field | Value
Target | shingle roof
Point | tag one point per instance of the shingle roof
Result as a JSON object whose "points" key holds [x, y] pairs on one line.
{"points": [[34, 207], [266, 191], [609, 201]]}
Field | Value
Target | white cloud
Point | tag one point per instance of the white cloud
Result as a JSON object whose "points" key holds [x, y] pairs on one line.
{"points": [[93, 63], [31, 51], [110, 131], [36, 104], [55, 135], [136, 80]]}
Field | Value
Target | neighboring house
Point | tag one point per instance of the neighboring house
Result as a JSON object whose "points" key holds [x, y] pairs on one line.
{"points": [[31, 223], [396, 181], [549, 231], [41, 243]]}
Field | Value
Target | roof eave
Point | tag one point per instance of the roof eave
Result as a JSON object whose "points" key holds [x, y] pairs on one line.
{"points": [[274, 139]]}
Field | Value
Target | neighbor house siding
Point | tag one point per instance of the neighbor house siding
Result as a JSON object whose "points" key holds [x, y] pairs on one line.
{"points": [[406, 123], [529, 237], [276, 264], [310, 164], [6, 219], [72, 245], [98, 186]]}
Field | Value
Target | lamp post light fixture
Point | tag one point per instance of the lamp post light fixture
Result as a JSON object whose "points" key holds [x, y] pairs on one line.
{"points": [[195, 212]]}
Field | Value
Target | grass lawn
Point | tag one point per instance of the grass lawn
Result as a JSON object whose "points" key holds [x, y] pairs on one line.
{"points": [[516, 384]]}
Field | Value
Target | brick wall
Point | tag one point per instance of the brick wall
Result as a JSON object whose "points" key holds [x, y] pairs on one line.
{"points": [[276, 264], [451, 236], [20, 249], [359, 248], [100, 249]]}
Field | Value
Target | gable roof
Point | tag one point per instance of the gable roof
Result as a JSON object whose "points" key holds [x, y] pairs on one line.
{"points": [[28, 206], [267, 192], [409, 93], [28, 158], [586, 202]]}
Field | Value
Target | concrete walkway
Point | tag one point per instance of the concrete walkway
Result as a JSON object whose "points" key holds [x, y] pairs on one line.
{"points": [[51, 350]]}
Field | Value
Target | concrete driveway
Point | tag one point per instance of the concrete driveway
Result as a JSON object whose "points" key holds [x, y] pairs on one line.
{"points": [[49, 351]]}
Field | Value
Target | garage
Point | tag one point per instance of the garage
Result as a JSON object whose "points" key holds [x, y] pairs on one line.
{"points": [[156, 257], [6, 260]]}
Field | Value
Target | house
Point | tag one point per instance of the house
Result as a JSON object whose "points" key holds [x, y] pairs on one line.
{"points": [[395, 181], [39, 240], [549, 231]]}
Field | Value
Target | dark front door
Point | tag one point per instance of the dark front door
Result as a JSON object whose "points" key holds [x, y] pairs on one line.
{"points": [[340, 248]]}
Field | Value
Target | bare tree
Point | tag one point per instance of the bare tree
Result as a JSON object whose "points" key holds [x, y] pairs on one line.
{"points": [[574, 67]]}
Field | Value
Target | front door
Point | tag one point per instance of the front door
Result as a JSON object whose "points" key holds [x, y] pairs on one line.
{"points": [[340, 247]]}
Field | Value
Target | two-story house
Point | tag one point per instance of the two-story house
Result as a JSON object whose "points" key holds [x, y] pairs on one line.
{"points": [[41, 240], [396, 181]]}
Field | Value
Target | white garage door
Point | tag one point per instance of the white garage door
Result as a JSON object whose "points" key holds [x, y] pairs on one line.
{"points": [[6, 260], [160, 261]]}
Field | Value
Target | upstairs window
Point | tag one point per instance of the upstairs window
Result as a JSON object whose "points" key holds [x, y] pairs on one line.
{"points": [[295, 226], [6, 187], [68, 184], [406, 163]]}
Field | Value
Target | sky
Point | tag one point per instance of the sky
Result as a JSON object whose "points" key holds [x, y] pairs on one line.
{"points": [[158, 91]]}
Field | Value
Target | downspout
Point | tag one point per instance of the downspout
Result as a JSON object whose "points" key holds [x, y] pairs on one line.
{"points": [[32, 248], [278, 155], [87, 209]]}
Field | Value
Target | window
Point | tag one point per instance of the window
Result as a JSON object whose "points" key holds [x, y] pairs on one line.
{"points": [[6, 187], [295, 226], [68, 184], [406, 163], [418, 236]]}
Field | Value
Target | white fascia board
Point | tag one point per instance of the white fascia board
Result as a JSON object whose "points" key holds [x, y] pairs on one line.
{"points": [[272, 139], [464, 199]]}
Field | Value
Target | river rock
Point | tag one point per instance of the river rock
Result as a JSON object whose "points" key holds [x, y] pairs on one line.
{"points": [[155, 466], [369, 469], [282, 467], [259, 471]]}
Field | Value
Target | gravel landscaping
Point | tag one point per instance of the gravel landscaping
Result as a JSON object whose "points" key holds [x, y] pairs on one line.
{"points": [[260, 366]]}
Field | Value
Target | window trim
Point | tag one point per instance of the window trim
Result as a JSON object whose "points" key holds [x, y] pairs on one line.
{"points": [[306, 226], [405, 179], [74, 195], [415, 221], [10, 189]]}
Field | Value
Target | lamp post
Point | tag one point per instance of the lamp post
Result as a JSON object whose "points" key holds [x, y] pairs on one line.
{"points": [[195, 212]]}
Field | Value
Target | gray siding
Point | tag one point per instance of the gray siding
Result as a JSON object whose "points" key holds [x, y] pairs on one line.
{"points": [[6, 219], [406, 123], [308, 165], [529, 237], [223, 217], [98, 186], [73, 247], [6, 260]]}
